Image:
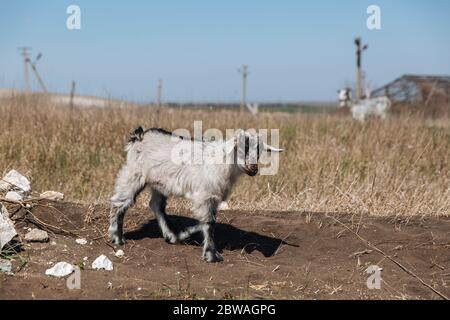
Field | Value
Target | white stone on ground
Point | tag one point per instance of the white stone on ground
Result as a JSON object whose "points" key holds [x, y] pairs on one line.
{"points": [[36, 235], [102, 262], [81, 241], [119, 253], [5, 266], [7, 230], [13, 196], [52, 195], [13, 180], [61, 269]]}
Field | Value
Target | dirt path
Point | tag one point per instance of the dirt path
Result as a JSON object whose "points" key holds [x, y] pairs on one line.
{"points": [[267, 255]]}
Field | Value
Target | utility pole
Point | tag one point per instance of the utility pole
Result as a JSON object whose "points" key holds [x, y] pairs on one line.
{"points": [[359, 49], [36, 74], [72, 93], [244, 72], [26, 59], [159, 92]]}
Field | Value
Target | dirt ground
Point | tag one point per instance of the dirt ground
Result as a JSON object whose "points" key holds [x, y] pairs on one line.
{"points": [[268, 255]]}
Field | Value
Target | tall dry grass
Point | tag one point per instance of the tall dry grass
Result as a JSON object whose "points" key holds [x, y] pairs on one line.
{"points": [[400, 166]]}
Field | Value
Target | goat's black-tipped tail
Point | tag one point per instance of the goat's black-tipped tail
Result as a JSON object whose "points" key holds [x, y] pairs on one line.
{"points": [[136, 135]]}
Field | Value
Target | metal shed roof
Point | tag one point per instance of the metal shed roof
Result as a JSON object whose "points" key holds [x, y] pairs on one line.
{"points": [[411, 88]]}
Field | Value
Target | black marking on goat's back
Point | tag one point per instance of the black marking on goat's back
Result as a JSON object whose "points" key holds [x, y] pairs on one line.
{"points": [[169, 133], [160, 130], [139, 132]]}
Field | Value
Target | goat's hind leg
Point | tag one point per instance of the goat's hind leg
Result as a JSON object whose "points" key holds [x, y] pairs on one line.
{"points": [[158, 206], [189, 231], [116, 216], [127, 189]]}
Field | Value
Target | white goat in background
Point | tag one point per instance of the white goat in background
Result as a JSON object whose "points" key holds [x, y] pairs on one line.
{"points": [[377, 107], [152, 161]]}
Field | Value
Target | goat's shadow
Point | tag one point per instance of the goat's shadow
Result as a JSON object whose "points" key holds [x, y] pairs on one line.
{"points": [[227, 237]]}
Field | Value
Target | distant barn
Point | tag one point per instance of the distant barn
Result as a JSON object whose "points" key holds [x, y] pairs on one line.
{"points": [[423, 89]]}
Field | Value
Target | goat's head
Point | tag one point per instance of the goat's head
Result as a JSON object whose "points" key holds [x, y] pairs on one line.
{"points": [[344, 96], [248, 148]]}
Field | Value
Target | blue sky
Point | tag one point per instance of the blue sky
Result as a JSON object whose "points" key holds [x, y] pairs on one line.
{"points": [[295, 50]]}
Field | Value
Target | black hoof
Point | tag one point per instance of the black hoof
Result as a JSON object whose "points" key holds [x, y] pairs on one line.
{"points": [[118, 241], [212, 256], [170, 238]]}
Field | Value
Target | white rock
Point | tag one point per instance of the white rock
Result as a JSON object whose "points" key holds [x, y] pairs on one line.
{"points": [[36, 235], [81, 241], [102, 262], [7, 230], [119, 253], [85, 259], [5, 266], [223, 206], [13, 180], [52, 195], [61, 269], [13, 196]]}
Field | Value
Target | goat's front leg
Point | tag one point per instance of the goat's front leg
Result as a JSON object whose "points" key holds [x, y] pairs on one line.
{"points": [[210, 252], [206, 212]]}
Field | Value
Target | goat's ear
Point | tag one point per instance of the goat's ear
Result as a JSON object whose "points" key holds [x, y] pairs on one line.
{"points": [[238, 133], [230, 145]]}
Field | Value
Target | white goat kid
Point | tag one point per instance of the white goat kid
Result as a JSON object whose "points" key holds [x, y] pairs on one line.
{"points": [[377, 107], [153, 160]]}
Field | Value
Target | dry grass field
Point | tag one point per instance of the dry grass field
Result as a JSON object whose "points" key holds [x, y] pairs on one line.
{"points": [[331, 163]]}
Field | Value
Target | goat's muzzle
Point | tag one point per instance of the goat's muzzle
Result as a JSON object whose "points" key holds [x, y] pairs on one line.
{"points": [[251, 169]]}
